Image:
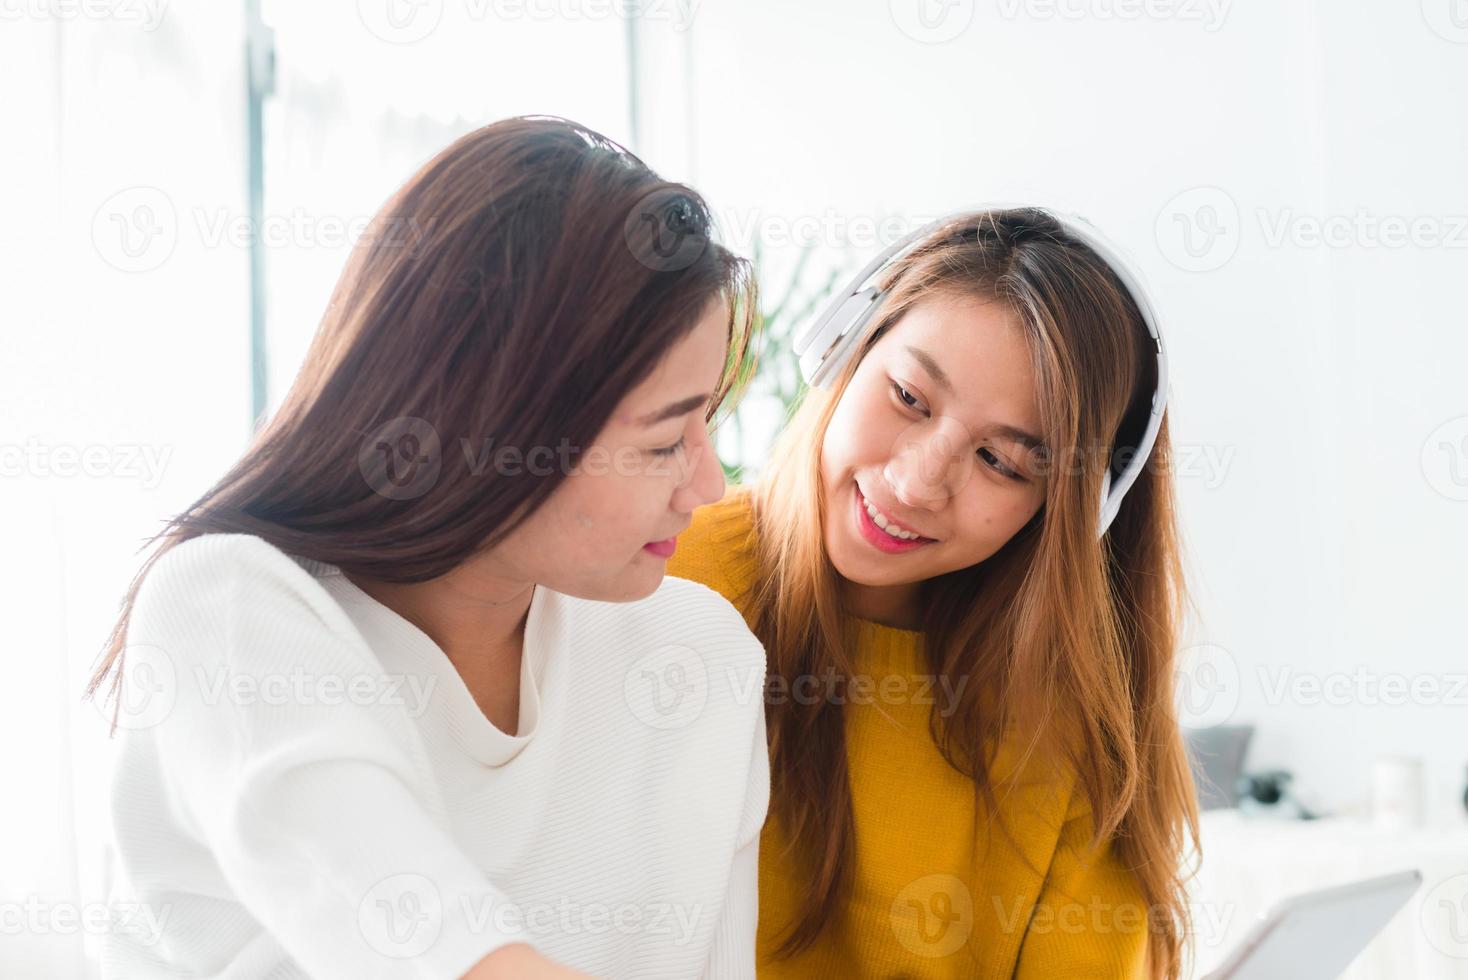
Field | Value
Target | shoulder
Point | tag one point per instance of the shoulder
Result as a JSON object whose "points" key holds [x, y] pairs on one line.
{"points": [[1049, 810], [217, 585], [1034, 778], [679, 663], [211, 553], [211, 563], [680, 613], [696, 605]]}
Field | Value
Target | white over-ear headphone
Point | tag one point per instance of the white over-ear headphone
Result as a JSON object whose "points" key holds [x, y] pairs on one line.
{"points": [[836, 334]]}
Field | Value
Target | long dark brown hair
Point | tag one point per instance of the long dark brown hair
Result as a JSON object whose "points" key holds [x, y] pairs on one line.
{"points": [[508, 295], [1068, 641]]}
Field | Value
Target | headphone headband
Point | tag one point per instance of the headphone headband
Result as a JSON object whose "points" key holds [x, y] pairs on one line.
{"points": [[836, 333]]}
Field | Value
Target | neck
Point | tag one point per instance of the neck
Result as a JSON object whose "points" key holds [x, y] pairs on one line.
{"points": [[477, 619], [890, 605]]}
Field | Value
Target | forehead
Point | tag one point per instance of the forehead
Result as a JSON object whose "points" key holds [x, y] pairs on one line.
{"points": [[980, 344], [690, 367]]}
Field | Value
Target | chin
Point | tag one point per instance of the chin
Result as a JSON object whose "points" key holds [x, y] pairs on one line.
{"points": [[628, 584], [875, 579], [643, 593], [639, 582]]}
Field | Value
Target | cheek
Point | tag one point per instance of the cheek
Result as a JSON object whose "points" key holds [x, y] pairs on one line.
{"points": [[591, 519], [556, 535], [997, 517], [856, 435], [1013, 515], [609, 510]]}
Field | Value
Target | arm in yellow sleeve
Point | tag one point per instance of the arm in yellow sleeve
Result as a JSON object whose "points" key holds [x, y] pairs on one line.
{"points": [[1090, 922]]}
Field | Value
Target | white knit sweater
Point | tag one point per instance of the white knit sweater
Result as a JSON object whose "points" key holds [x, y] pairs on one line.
{"points": [[304, 786]]}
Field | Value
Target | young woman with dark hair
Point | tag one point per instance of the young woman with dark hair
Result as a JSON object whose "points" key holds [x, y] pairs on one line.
{"points": [[406, 692]]}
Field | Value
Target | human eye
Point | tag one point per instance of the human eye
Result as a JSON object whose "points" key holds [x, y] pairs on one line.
{"points": [[669, 450], [907, 398], [998, 465]]}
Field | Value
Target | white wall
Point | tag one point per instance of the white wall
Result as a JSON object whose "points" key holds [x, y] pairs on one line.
{"points": [[124, 389], [362, 104], [1307, 378]]}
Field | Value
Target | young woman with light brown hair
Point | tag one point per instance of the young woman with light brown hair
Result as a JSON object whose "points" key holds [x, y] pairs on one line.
{"points": [[976, 767]]}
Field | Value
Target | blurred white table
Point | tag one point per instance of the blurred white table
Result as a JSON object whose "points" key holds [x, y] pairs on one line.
{"points": [[1251, 863]]}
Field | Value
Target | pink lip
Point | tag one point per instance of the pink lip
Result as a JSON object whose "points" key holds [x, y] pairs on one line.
{"points": [[877, 537], [663, 549]]}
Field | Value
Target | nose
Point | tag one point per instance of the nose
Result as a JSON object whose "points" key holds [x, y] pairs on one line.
{"points": [[929, 464], [703, 479]]}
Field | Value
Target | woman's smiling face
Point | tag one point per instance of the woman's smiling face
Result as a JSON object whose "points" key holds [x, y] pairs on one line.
{"points": [[936, 433]]}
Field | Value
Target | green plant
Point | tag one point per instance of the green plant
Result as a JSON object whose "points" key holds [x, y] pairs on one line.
{"points": [[773, 374]]}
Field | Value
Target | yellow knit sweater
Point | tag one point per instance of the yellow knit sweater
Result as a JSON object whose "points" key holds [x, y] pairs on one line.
{"points": [[929, 900]]}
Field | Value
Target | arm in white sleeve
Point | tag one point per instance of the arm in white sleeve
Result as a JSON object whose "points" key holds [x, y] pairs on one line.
{"points": [[732, 954], [292, 757]]}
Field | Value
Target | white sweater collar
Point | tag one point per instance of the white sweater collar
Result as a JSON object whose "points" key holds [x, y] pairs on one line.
{"points": [[394, 638]]}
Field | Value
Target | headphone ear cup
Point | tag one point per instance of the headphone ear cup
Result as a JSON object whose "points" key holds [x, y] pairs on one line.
{"points": [[826, 347]]}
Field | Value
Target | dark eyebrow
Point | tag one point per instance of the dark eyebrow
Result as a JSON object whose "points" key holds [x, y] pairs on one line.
{"points": [[674, 410], [1020, 436], [1026, 439], [931, 366]]}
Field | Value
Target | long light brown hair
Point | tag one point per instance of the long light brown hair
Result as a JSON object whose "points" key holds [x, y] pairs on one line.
{"points": [[511, 293], [1068, 641]]}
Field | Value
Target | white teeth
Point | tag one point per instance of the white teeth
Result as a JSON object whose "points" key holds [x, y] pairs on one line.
{"points": [[881, 522]]}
